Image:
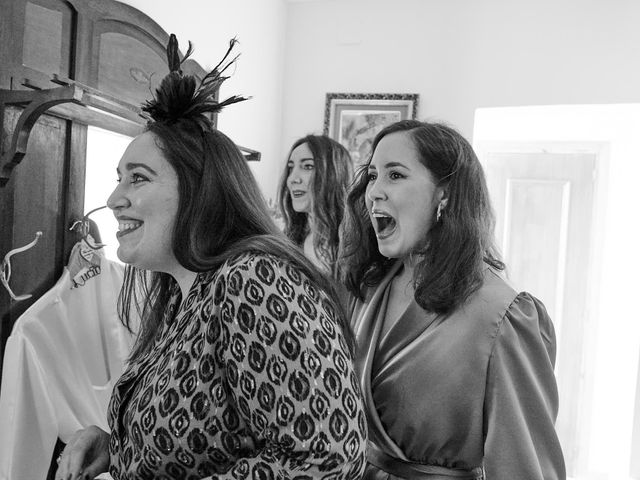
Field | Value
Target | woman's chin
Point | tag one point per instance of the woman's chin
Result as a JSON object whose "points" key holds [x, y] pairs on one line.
{"points": [[124, 256], [300, 207], [390, 252]]}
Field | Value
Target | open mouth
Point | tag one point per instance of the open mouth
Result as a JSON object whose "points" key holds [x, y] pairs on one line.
{"points": [[297, 193], [384, 225], [126, 227]]}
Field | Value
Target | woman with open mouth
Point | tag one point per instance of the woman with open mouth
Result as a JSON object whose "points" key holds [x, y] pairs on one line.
{"points": [[455, 365], [312, 192]]}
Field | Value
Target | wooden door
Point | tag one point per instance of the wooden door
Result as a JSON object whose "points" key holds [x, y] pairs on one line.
{"points": [[544, 206]]}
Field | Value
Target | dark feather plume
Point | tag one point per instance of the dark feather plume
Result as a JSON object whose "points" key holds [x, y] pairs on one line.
{"points": [[180, 97]]}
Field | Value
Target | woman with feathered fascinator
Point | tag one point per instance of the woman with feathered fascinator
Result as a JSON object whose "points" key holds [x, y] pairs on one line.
{"points": [[242, 366]]}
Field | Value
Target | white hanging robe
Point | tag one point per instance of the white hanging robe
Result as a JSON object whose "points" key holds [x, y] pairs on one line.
{"points": [[60, 364]]}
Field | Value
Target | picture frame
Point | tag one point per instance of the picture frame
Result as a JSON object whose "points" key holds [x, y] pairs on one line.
{"points": [[354, 119]]}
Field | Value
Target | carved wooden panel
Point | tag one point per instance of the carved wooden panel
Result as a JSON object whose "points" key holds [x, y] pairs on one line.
{"points": [[128, 68], [40, 41], [47, 37]]}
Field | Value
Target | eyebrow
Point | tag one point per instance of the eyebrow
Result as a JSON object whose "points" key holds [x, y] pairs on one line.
{"points": [[391, 165], [132, 165], [307, 159]]}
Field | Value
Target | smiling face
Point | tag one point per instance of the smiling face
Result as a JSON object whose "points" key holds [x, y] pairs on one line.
{"points": [[401, 196], [145, 203], [301, 167]]}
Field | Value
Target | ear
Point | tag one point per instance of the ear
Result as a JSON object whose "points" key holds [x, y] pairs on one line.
{"points": [[442, 195]]}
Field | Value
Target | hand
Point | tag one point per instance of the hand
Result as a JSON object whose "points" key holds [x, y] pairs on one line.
{"points": [[85, 456]]}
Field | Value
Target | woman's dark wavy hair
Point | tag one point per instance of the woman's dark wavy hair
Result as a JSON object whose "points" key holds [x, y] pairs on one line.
{"points": [[332, 175], [456, 248], [221, 210]]}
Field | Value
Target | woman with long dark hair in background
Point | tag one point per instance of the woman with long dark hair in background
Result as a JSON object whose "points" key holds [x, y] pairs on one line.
{"points": [[312, 194]]}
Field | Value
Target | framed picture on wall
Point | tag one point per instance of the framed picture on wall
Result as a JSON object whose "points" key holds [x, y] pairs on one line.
{"points": [[354, 119]]}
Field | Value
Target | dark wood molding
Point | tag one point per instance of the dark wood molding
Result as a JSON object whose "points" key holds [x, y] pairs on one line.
{"points": [[37, 102], [71, 101]]}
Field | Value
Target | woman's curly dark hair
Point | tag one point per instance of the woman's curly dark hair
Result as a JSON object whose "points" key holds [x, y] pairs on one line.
{"points": [[456, 249]]}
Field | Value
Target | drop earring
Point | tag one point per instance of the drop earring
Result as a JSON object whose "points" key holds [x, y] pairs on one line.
{"points": [[439, 211]]}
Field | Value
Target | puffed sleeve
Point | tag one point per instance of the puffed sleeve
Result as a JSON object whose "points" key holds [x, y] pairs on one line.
{"points": [[291, 376], [521, 401]]}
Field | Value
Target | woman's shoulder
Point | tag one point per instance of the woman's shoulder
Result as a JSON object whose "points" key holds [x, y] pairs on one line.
{"points": [[528, 316], [497, 290], [248, 260], [520, 310], [495, 293], [482, 313], [495, 313], [263, 267]]}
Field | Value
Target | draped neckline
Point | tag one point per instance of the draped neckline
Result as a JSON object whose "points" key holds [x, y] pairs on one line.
{"points": [[375, 353]]}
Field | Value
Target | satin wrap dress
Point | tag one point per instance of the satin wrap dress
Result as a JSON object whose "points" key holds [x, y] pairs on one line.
{"points": [[469, 395], [250, 377]]}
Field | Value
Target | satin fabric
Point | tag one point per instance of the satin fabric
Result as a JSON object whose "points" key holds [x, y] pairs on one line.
{"points": [[473, 389], [60, 364]]}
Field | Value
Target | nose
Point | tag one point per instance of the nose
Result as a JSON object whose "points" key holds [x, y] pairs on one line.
{"points": [[118, 200], [294, 176], [375, 190]]}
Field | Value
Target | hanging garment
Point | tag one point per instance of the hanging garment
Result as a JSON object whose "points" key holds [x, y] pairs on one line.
{"points": [[60, 364]]}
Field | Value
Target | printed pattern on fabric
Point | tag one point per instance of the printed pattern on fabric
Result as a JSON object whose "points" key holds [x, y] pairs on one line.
{"points": [[251, 378]]}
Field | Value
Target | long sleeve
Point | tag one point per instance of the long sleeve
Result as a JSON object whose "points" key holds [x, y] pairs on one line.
{"points": [[521, 402], [290, 376]]}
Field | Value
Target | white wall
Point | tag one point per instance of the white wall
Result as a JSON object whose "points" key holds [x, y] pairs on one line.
{"points": [[459, 55], [259, 25]]}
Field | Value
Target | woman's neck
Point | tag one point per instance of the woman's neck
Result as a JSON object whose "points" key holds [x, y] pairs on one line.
{"points": [[185, 279], [311, 224], [405, 276]]}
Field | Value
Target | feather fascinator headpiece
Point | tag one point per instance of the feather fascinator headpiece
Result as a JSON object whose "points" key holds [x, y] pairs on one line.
{"points": [[180, 97]]}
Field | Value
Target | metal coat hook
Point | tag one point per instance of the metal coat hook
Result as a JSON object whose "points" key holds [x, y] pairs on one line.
{"points": [[83, 228], [5, 272]]}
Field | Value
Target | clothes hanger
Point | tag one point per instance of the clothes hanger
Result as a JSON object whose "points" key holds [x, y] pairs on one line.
{"points": [[89, 234], [5, 270], [86, 255]]}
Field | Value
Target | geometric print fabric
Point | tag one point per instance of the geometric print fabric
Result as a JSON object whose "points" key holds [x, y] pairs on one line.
{"points": [[250, 377]]}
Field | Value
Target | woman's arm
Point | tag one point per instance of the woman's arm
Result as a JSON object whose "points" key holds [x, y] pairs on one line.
{"points": [[521, 402]]}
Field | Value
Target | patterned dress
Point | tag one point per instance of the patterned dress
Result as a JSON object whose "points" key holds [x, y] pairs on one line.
{"points": [[250, 377]]}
